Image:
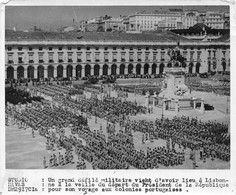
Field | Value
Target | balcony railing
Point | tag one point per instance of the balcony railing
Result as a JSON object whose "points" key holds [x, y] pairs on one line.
{"points": [[10, 61], [40, 61], [20, 61], [31, 61], [97, 60], [139, 60], [50, 61], [131, 60], [70, 60], [60, 60], [106, 60], [114, 60], [79, 60], [122, 60]]}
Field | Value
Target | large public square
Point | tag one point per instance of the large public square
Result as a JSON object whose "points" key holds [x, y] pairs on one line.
{"points": [[25, 150]]}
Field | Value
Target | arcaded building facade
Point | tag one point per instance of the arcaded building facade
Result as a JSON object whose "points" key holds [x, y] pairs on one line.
{"points": [[76, 55]]}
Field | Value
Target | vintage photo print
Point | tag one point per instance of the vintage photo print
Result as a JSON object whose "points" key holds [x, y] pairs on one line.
{"points": [[137, 90]]}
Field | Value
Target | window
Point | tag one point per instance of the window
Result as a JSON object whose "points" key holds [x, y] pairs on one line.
{"points": [[9, 49], [40, 57], [209, 53], [97, 57], [78, 48], [198, 55], [139, 57], [191, 55], [122, 57], [50, 48], [105, 48], [30, 48], [20, 59], [146, 56], [60, 57], [114, 48], [154, 56], [10, 59], [88, 48], [114, 57], [40, 48], [60, 48], [70, 57], [223, 52], [106, 57], [69, 48], [131, 57], [162, 56], [88, 57], [97, 48], [31, 58], [50, 57], [20, 48], [79, 57]]}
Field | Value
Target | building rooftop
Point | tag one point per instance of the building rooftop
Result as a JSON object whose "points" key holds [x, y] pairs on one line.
{"points": [[157, 36]]}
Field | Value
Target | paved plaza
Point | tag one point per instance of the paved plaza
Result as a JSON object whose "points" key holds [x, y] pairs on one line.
{"points": [[25, 152]]}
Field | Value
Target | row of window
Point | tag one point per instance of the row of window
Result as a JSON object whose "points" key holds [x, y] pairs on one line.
{"points": [[88, 57], [88, 48]]}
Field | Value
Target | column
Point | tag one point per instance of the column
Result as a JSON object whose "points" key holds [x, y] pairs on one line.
{"points": [[35, 72], [134, 69], [142, 69], [55, 72], [126, 69], [64, 72], [83, 72], [100, 71], [25, 73], [45, 72], [74, 72], [92, 71], [150, 70], [109, 70], [15, 73]]}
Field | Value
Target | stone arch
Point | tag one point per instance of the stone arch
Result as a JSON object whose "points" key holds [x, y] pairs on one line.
{"points": [[40, 72], [209, 66], [154, 69], [50, 71], [138, 69], [30, 72], [122, 69], [87, 70], [161, 68], [113, 69], [105, 69], [130, 68], [146, 68], [190, 68], [96, 70], [78, 70], [69, 70], [198, 67], [223, 66], [60, 71], [20, 72], [10, 72]]}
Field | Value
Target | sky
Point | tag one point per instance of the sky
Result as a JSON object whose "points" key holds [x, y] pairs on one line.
{"points": [[54, 17]]}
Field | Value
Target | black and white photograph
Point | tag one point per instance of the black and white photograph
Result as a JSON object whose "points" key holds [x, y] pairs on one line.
{"points": [[117, 87]]}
